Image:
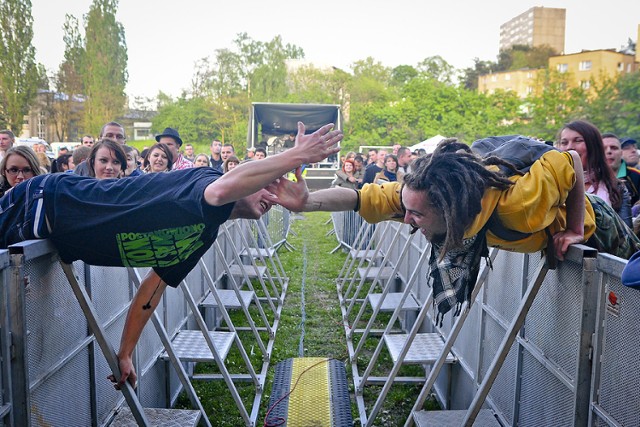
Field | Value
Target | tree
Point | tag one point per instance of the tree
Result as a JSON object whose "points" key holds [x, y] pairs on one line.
{"points": [[553, 102], [64, 104], [627, 122], [104, 66], [435, 67], [20, 76], [469, 78]]}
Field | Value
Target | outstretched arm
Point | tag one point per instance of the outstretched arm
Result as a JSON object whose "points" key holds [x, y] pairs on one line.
{"points": [[142, 307], [575, 212], [248, 178]]}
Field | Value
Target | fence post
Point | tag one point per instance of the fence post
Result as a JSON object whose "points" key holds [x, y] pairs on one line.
{"points": [[18, 327]]}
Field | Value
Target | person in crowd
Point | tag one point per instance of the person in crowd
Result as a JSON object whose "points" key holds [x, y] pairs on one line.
{"points": [[18, 164], [62, 150], [63, 163], [372, 170], [45, 162], [462, 203], [250, 153], [346, 177], [113, 131], [107, 222], [394, 149], [159, 158], [188, 152], [201, 160], [7, 139], [80, 155], [215, 161], [390, 172], [171, 138], [133, 168], [372, 156], [227, 151], [260, 154], [584, 138], [230, 163], [614, 154], [88, 141], [106, 160], [630, 152], [40, 148], [404, 159]]}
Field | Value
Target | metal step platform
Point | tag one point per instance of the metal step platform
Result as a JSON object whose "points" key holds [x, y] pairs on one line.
{"points": [[372, 272], [190, 346], [370, 254], [158, 417], [425, 348], [252, 272], [392, 301], [229, 299], [310, 391], [258, 252], [453, 418]]}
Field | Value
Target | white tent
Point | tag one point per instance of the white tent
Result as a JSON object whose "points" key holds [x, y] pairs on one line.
{"points": [[428, 144]]}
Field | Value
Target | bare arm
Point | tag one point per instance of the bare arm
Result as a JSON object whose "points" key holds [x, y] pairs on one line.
{"points": [[248, 178], [332, 200], [142, 307], [575, 212]]}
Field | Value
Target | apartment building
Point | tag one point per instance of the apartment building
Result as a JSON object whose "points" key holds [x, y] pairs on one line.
{"points": [[518, 81], [591, 65], [536, 27]]}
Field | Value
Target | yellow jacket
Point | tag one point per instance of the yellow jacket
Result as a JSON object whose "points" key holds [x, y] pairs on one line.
{"points": [[535, 201]]}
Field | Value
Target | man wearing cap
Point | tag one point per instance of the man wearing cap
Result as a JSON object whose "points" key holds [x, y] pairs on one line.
{"points": [[614, 156], [171, 138], [630, 151]]}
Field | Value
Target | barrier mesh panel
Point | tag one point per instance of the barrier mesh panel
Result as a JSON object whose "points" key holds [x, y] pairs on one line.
{"points": [[107, 397], [109, 290], [620, 374], [50, 309], [544, 400], [504, 285], [467, 345], [553, 323], [54, 403], [504, 386], [152, 386]]}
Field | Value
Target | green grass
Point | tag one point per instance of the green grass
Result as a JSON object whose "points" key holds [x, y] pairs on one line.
{"points": [[324, 333]]}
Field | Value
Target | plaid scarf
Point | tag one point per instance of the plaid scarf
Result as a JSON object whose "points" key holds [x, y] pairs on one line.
{"points": [[455, 276]]}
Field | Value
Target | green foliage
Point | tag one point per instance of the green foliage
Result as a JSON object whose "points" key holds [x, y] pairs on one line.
{"points": [[522, 56], [104, 66], [553, 102], [627, 121], [64, 109], [20, 77]]}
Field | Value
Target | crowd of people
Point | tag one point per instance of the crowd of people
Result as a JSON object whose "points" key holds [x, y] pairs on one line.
{"points": [[584, 190], [110, 157]]}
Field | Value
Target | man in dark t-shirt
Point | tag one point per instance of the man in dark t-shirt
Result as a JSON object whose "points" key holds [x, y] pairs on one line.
{"points": [[153, 220]]}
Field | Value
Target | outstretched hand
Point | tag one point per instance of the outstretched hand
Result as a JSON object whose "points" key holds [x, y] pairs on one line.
{"points": [[318, 145], [289, 194]]}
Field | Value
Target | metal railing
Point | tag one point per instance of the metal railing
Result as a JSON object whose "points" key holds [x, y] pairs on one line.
{"points": [[51, 370], [573, 363]]}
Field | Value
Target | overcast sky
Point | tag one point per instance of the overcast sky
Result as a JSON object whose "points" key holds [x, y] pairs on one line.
{"points": [[166, 37]]}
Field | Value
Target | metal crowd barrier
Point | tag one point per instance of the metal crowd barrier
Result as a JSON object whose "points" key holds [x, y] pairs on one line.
{"points": [[575, 361], [51, 369]]}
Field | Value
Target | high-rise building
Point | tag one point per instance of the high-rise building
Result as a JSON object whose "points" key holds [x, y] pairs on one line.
{"points": [[536, 27]]}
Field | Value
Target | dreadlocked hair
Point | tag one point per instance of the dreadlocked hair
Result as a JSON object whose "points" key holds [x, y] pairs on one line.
{"points": [[455, 181]]}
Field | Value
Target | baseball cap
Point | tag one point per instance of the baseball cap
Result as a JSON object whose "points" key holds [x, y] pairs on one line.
{"points": [[627, 141]]}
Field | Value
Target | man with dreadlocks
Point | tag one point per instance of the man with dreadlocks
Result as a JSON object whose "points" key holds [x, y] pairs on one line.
{"points": [[462, 203]]}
